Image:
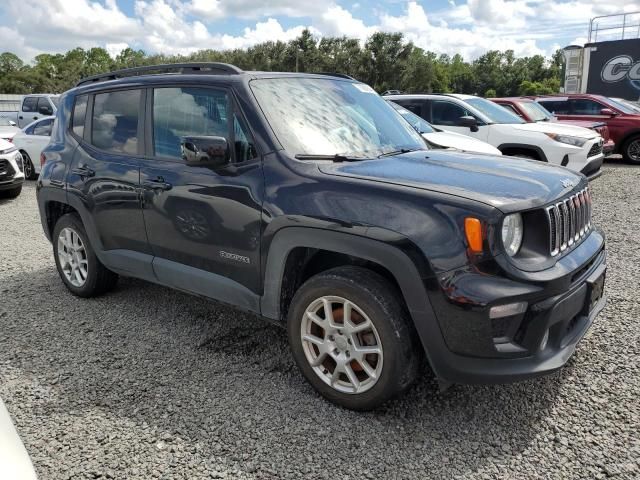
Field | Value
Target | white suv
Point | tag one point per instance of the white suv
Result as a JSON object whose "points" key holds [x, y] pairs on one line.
{"points": [[577, 148]]}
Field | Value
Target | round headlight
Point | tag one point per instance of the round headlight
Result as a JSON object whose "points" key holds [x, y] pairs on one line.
{"points": [[512, 232]]}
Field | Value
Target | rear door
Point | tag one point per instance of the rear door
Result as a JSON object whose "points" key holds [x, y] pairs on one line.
{"points": [[203, 221], [104, 177], [37, 137]]}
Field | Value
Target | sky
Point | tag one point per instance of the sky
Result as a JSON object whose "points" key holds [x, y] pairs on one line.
{"points": [[467, 27]]}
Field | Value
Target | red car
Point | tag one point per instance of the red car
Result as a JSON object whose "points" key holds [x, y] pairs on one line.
{"points": [[530, 111], [622, 120]]}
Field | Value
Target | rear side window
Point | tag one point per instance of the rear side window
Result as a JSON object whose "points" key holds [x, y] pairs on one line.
{"points": [[115, 121], [44, 107], [79, 114], [557, 107], [29, 104]]}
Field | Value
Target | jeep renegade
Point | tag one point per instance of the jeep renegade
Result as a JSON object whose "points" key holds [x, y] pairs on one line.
{"points": [[308, 200]]}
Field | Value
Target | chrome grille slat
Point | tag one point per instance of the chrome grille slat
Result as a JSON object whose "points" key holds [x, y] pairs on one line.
{"points": [[569, 220]]}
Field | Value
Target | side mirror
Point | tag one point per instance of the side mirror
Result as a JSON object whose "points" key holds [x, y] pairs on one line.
{"points": [[468, 121], [608, 112], [12, 123], [205, 151], [45, 110]]}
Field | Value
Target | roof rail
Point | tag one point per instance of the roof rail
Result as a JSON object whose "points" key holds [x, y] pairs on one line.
{"points": [[332, 74], [211, 68]]}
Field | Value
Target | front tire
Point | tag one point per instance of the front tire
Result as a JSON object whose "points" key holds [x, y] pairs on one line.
{"points": [[29, 169], [631, 150], [77, 264], [352, 338]]}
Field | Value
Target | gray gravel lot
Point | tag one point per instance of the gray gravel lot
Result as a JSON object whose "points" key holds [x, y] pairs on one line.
{"points": [[149, 383]]}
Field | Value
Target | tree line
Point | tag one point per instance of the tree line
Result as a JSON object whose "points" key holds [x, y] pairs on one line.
{"points": [[385, 61]]}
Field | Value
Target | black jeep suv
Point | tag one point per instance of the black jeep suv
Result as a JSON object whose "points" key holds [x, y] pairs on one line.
{"points": [[308, 200]]}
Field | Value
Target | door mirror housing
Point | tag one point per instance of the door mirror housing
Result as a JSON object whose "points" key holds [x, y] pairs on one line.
{"points": [[468, 121], [12, 123], [608, 112], [45, 110], [205, 151]]}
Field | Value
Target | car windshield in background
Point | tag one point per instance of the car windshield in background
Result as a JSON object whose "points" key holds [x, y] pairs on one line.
{"points": [[536, 112], [494, 112], [625, 106], [419, 124], [313, 116]]}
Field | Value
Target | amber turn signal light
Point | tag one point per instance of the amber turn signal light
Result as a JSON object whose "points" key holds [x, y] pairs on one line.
{"points": [[473, 232]]}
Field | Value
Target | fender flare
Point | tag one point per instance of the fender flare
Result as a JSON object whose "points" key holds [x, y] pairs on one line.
{"points": [[396, 261], [525, 146]]}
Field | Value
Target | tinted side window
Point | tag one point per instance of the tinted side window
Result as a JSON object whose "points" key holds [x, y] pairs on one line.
{"points": [[79, 114], [44, 105], [179, 112], [412, 105], [43, 128], [584, 106], [115, 121], [244, 146], [446, 113], [29, 104], [558, 107]]}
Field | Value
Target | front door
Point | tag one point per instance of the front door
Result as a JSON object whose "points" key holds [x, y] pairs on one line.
{"points": [[446, 115], [203, 222]]}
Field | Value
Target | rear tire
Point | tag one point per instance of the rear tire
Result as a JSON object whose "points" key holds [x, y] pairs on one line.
{"points": [[76, 261], [11, 193], [631, 150], [366, 316]]}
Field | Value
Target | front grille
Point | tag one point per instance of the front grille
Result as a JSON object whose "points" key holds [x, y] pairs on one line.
{"points": [[596, 149], [6, 171], [569, 221]]}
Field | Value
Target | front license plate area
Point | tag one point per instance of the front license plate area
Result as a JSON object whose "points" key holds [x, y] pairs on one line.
{"points": [[596, 291]]}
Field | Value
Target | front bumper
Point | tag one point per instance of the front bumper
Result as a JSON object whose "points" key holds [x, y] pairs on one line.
{"points": [[11, 174], [477, 349], [609, 148]]}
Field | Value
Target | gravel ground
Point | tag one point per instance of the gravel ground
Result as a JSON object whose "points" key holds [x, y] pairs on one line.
{"points": [[150, 383]]}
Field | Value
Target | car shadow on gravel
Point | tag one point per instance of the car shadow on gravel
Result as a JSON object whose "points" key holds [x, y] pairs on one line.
{"points": [[204, 374]]}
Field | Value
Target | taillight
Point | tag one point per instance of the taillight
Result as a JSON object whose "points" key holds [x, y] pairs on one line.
{"points": [[43, 159]]}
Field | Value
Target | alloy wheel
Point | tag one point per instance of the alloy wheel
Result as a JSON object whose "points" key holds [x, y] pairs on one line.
{"points": [[341, 344], [634, 150], [72, 256]]}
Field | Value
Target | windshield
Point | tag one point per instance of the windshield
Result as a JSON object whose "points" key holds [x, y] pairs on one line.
{"points": [[4, 122], [419, 124], [55, 100], [313, 116], [536, 112], [496, 113], [625, 106]]}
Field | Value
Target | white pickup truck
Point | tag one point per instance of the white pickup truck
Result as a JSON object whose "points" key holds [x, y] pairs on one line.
{"points": [[29, 108]]}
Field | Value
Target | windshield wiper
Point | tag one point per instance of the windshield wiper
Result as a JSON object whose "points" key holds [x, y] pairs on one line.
{"points": [[334, 158], [398, 152]]}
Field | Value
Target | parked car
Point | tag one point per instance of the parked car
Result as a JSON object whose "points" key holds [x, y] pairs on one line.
{"points": [[576, 148], [392, 92], [8, 129], [14, 459], [11, 175], [30, 142], [437, 138], [320, 208], [623, 121], [33, 107], [531, 111]]}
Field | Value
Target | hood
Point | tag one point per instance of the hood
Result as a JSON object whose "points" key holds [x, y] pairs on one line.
{"points": [[507, 183], [8, 132], [4, 145], [556, 127], [460, 142]]}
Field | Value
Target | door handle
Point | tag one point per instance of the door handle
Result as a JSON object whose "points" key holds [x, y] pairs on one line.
{"points": [[20, 117], [83, 171], [35, 118], [156, 184]]}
